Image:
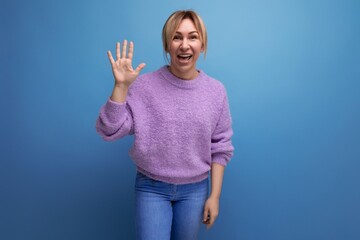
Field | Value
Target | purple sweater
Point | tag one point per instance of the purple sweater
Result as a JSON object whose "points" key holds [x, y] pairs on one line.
{"points": [[181, 126]]}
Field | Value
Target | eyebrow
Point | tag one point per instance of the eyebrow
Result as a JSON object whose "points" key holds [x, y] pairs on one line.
{"points": [[189, 32]]}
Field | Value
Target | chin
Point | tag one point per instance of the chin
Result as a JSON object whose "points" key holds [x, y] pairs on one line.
{"points": [[187, 68]]}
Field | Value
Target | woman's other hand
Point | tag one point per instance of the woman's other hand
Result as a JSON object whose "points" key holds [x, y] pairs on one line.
{"points": [[211, 211]]}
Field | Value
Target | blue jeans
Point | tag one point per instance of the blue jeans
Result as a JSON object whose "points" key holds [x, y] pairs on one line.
{"points": [[167, 211]]}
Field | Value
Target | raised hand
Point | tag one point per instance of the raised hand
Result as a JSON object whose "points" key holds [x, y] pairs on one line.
{"points": [[122, 69]]}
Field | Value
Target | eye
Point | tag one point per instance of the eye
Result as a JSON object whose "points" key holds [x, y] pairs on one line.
{"points": [[177, 37], [193, 37]]}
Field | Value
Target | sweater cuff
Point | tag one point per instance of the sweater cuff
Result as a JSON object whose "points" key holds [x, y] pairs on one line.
{"points": [[219, 159], [115, 103], [113, 110]]}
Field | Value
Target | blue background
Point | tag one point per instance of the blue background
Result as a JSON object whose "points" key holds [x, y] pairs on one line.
{"points": [[292, 71]]}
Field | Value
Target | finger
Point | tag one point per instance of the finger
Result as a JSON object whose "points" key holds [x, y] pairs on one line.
{"points": [[124, 49], [213, 216], [206, 215], [111, 59], [211, 221], [131, 50], [117, 51], [140, 67]]}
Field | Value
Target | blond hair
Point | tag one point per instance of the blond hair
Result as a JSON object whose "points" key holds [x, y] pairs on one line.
{"points": [[173, 22]]}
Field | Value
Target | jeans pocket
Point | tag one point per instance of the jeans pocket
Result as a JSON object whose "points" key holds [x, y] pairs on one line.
{"points": [[143, 181]]}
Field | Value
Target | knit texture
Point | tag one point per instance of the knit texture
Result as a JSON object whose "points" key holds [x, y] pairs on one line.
{"points": [[180, 126]]}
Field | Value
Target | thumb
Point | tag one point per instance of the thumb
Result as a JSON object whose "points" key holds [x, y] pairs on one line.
{"points": [[140, 67]]}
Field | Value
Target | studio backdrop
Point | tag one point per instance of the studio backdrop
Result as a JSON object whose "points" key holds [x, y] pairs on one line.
{"points": [[292, 74]]}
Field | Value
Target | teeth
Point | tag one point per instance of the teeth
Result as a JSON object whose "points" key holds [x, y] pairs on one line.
{"points": [[187, 56]]}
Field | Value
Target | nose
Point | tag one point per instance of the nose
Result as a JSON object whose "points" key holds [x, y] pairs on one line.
{"points": [[185, 44]]}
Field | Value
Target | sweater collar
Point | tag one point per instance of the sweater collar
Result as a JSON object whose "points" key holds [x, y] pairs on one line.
{"points": [[181, 83]]}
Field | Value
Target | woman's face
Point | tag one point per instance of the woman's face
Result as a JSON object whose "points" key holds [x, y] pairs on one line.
{"points": [[184, 50]]}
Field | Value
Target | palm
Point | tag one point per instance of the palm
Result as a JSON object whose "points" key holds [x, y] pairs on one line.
{"points": [[122, 68]]}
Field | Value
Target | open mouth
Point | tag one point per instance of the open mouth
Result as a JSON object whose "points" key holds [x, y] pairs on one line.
{"points": [[184, 57]]}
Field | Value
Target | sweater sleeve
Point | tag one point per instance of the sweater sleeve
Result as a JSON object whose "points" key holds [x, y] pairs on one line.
{"points": [[221, 145], [115, 121]]}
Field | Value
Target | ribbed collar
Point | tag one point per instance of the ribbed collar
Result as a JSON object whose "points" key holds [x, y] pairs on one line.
{"points": [[181, 83]]}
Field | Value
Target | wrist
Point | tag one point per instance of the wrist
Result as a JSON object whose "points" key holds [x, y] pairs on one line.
{"points": [[121, 86], [119, 93], [214, 196]]}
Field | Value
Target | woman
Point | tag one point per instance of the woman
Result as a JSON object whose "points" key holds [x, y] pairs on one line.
{"points": [[181, 121]]}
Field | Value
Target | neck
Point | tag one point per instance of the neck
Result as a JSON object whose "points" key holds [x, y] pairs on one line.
{"points": [[189, 75]]}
